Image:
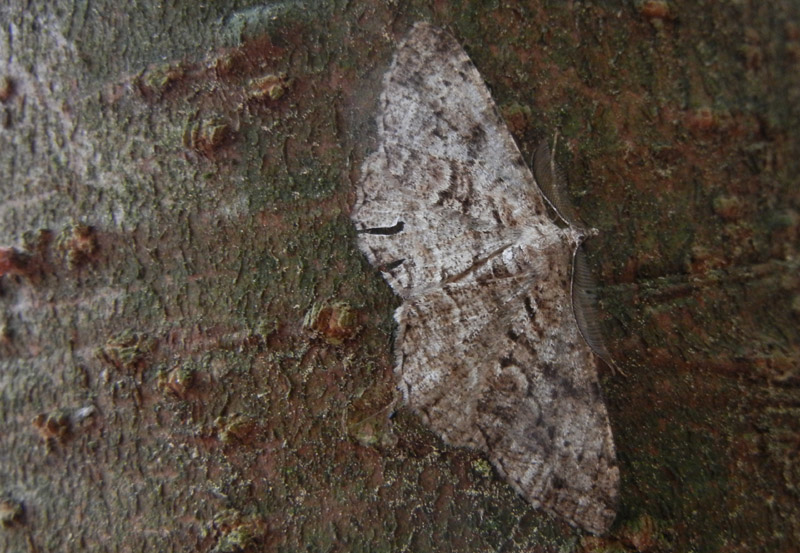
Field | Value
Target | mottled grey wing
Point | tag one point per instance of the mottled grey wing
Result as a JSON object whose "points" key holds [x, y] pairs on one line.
{"points": [[488, 349], [495, 361], [446, 186]]}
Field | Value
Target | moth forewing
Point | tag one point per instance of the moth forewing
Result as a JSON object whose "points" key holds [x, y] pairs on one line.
{"points": [[488, 348]]}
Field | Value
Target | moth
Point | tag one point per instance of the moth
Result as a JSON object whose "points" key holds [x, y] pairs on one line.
{"points": [[495, 333]]}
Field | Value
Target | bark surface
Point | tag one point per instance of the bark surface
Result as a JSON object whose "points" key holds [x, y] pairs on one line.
{"points": [[194, 355]]}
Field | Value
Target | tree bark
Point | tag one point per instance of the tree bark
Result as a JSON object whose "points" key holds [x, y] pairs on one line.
{"points": [[195, 356]]}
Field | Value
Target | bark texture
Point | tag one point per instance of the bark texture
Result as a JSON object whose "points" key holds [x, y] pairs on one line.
{"points": [[195, 356]]}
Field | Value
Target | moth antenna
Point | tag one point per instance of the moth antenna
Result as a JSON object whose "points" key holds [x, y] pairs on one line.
{"points": [[584, 305], [552, 182]]}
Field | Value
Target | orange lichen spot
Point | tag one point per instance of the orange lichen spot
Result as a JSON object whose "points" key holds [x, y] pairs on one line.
{"points": [[61, 424], [127, 350], [160, 79], [54, 425], [207, 136], [269, 87], [14, 262], [38, 241], [11, 512], [80, 244], [229, 64], [178, 380], [236, 429], [335, 321], [237, 532]]}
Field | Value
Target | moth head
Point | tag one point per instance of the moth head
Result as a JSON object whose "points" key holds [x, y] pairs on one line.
{"points": [[579, 235]]}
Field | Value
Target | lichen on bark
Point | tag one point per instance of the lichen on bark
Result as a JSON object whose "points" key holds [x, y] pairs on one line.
{"points": [[220, 218]]}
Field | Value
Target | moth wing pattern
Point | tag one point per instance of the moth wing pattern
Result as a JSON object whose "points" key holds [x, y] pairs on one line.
{"points": [[445, 168], [485, 363], [488, 350]]}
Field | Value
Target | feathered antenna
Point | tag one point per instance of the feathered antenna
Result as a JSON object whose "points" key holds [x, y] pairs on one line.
{"points": [[553, 184]]}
